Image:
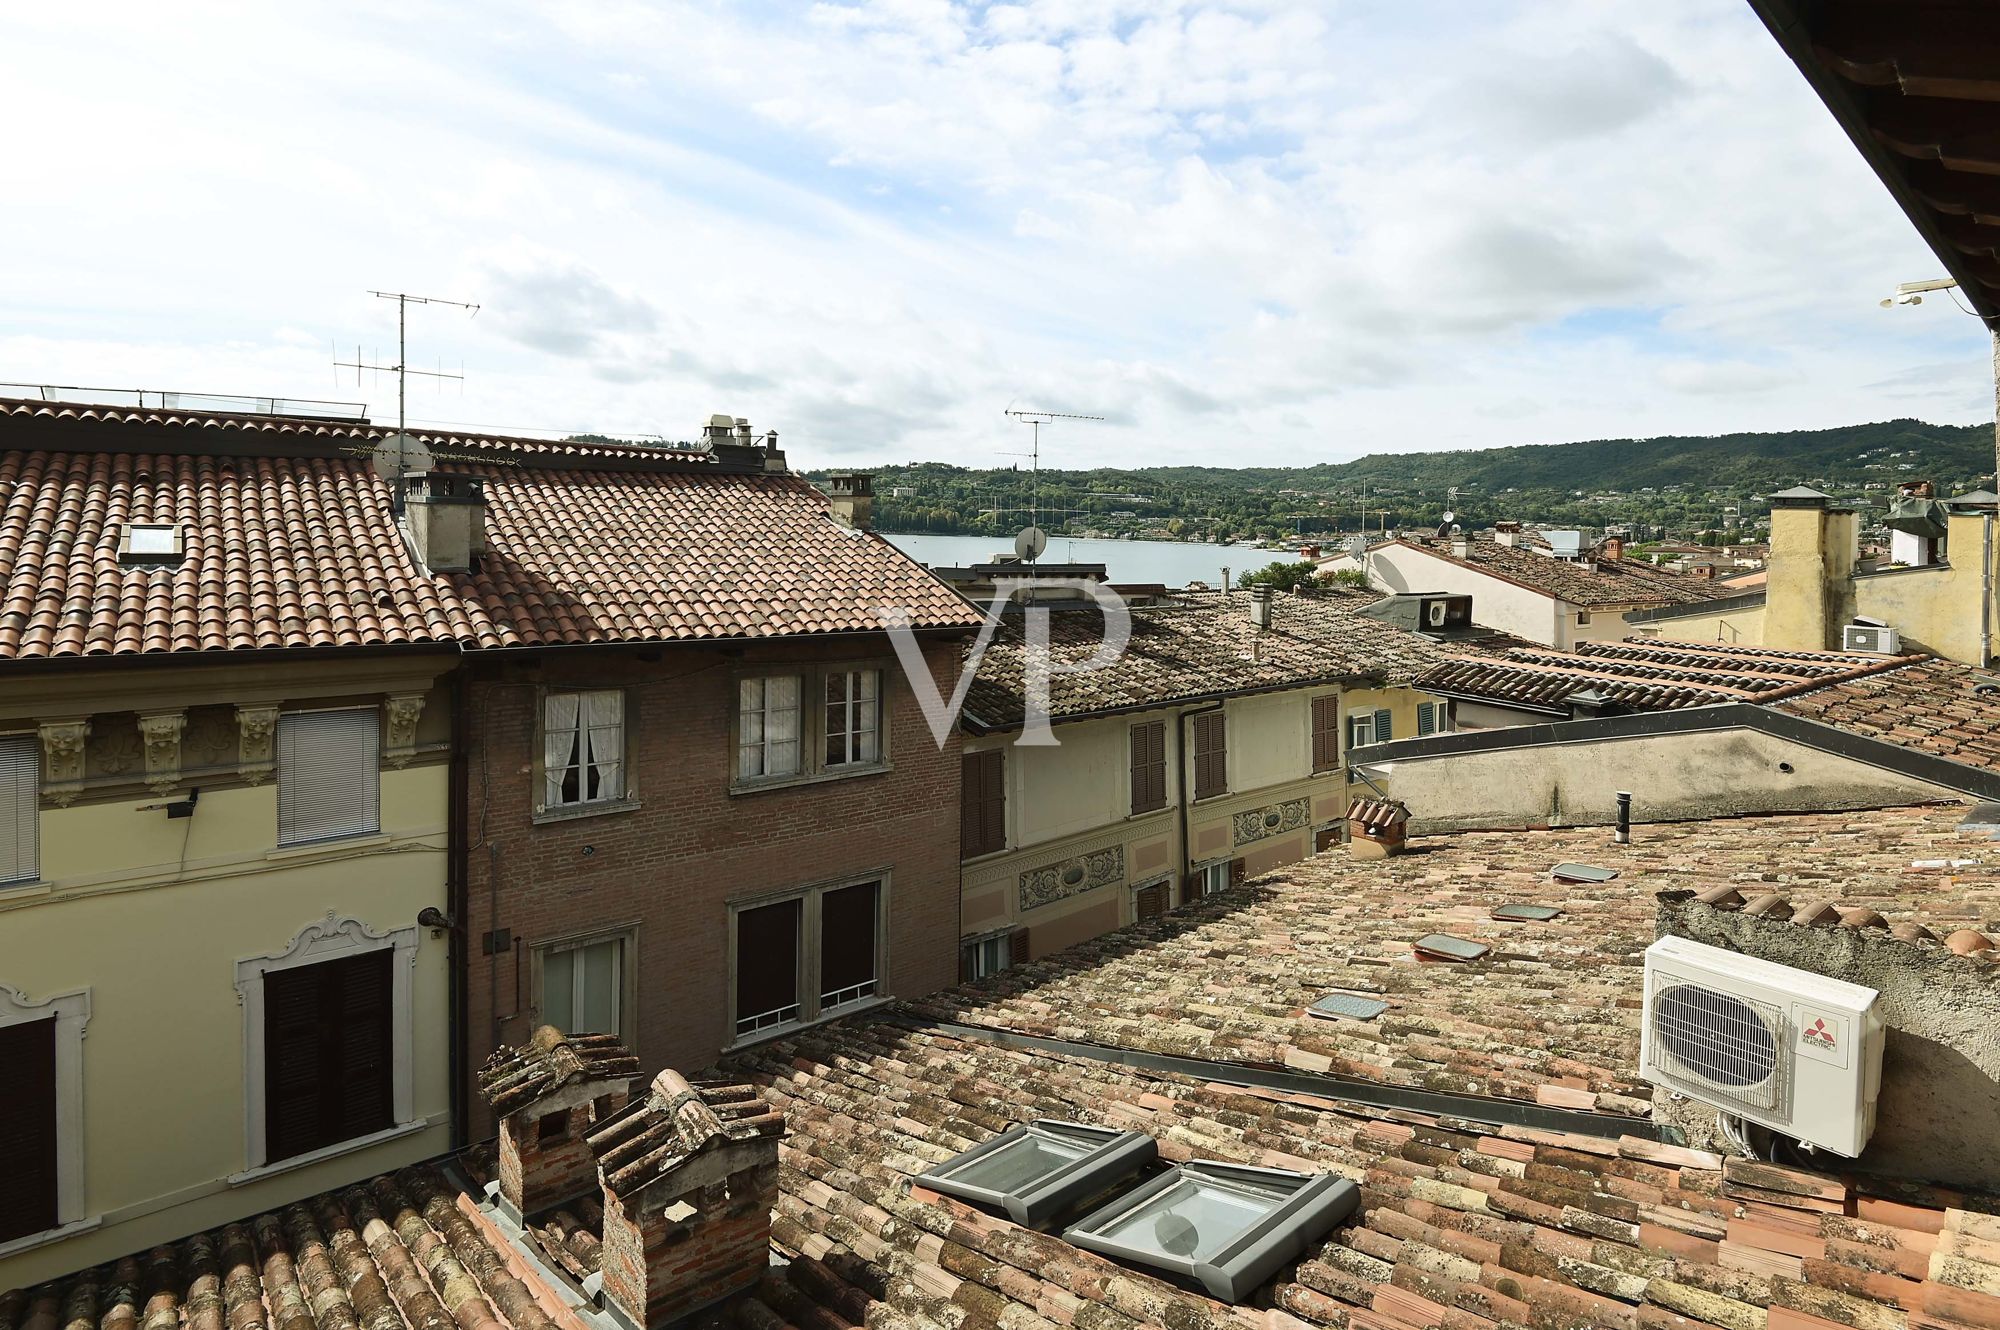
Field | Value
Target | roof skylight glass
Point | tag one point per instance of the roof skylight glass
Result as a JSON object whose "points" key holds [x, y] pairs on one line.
{"points": [[1226, 1227], [150, 544], [1038, 1171]]}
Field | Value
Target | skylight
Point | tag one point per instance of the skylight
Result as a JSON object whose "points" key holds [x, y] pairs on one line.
{"points": [[1347, 1007], [149, 544], [1582, 873], [1036, 1172], [1514, 912], [1444, 946], [1227, 1227]]}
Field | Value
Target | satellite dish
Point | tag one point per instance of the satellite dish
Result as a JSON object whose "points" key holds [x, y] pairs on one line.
{"points": [[411, 458], [1030, 543], [1450, 517]]}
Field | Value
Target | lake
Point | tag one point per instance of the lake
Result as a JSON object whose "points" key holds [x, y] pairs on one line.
{"points": [[1171, 562]]}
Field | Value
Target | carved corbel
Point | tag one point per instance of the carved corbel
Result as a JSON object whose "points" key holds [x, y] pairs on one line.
{"points": [[405, 710], [160, 733], [255, 728], [62, 759]]}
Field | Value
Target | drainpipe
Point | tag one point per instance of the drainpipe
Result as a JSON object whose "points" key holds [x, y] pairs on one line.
{"points": [[457, 906], [1184, 778], [1986, 593]]}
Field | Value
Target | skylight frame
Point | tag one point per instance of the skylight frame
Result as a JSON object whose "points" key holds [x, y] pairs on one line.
{"points": [[151, 545], [1102, 1158], [1302, 1209]]}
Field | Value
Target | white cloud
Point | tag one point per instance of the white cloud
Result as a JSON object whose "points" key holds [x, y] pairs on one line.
{"points": [[1255, 230]]}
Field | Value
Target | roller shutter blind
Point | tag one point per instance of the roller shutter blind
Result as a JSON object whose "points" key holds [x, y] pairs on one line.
{"points": [[329, 775], [27, 1129], [19, 804]]}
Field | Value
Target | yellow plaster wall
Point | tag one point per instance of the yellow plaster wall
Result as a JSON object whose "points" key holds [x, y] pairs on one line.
{"points": [[1807, 579], [1937, 608], [1738, 627], [156, 943]]}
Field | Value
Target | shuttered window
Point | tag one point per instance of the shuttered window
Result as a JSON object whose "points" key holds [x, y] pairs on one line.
{"points": [[329, 775], [27, 1129], [1211, 755], [982, 808], [1149, 766], [19, 806], [1432, 718], [1384, 726], [329, 1064], [583, 747], [1150, 902], [1326, 732]]}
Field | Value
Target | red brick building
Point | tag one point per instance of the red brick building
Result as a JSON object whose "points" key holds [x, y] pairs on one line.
{"points": [[701, 802]]}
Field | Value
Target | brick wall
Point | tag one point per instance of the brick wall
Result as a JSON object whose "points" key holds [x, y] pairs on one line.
{"points": [[662, 1263], [536, 1170], [669, 868]]}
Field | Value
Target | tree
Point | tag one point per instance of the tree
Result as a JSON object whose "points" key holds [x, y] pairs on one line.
{"points": [[1283, 576]]}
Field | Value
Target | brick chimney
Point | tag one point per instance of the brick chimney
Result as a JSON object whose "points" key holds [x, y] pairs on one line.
{"points": [[853, 496], [690, 1176], [1377, 828], [445, 515], [1613, 550], [548, 1094]]}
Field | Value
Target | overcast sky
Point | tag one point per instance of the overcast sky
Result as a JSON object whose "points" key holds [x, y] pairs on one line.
{"points": [[1246, 231]]}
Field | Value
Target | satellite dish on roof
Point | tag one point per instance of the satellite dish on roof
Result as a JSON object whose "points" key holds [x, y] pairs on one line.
{"points": [[401, 455], [1030, 543]]}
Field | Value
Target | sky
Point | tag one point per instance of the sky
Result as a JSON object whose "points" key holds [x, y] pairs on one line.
{"points": [[1242, 231]]}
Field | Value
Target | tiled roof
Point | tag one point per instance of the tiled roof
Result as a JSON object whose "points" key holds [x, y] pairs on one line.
{"points": [[1462, 1226], [1202, 645], [298, 551], [1935, 706], [1648, 674], [516, 1077], [672, 1122], [1607, 582]]}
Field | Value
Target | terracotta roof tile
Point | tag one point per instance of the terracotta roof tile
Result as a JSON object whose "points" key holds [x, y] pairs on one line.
{"points": [[1935, 706], [1607, 582]]}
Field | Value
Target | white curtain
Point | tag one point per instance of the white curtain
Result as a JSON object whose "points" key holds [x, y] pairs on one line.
{"points": [[559, 745], [605, 715]]}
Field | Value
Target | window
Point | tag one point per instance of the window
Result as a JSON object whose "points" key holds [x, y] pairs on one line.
{"points": [[1210, 879], [853, 718], [807, 956], [1211, 755], [1360, 730], [1149, 766], [150, 546], [329, 775], [328, 1061], [1149, 901], [1326, 732], [20, 859], [583, 986], [583, 748], [1035, 1172], [1433, 718], [982, 808], [28, 1203], [1385, 725], [1229, 1226], [767, 741], [991, 955], [1583, 618], [782, 735]]}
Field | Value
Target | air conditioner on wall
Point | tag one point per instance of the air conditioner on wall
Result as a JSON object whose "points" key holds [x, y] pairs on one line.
{"points": [[1870, 637], [1794, 1051]]}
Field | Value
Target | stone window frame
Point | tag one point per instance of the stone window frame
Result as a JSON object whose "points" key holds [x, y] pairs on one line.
{"points": [[71, 1012], [334, 937], [813, 767], [628, 799], [807, 960], [628, 970]]}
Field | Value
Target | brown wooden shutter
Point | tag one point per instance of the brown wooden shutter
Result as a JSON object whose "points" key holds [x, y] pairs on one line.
{"points": [[1211, 755], [1150, 903], [329, 1063], [1239, 872], [965, 965], [1017, 947], [1326, 732], [27, 1129], [1149, 766], [982, 825]]}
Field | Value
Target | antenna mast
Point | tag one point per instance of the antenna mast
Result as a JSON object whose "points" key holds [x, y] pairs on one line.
{"points": [[401, 369], [1035, 420]]}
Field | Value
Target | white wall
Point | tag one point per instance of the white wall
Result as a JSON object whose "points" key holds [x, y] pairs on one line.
{"points": [[1270, 739], [1495, 603]]}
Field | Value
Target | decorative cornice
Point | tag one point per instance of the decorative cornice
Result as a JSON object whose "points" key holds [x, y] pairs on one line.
{"points": [[62, 758], [161, 733]]}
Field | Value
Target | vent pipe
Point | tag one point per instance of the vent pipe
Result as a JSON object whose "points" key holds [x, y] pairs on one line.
{"points": [[1260, 605], [1623, 836]]}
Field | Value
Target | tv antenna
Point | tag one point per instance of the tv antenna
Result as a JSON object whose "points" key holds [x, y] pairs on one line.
{"points": [[1034, 537], [401, 369]]}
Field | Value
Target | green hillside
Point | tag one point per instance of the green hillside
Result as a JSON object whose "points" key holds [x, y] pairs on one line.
{"points": [[1665, 485]]}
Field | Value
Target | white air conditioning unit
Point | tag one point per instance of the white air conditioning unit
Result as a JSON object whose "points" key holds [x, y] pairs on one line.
{"points": [[1435, 613], [1870, 637], [1795, 1051]]}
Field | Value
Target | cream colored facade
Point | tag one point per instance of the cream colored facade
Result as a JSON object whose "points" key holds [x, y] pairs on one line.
{"points": [[1077, 856], [1497, 602], [148, 937]]}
